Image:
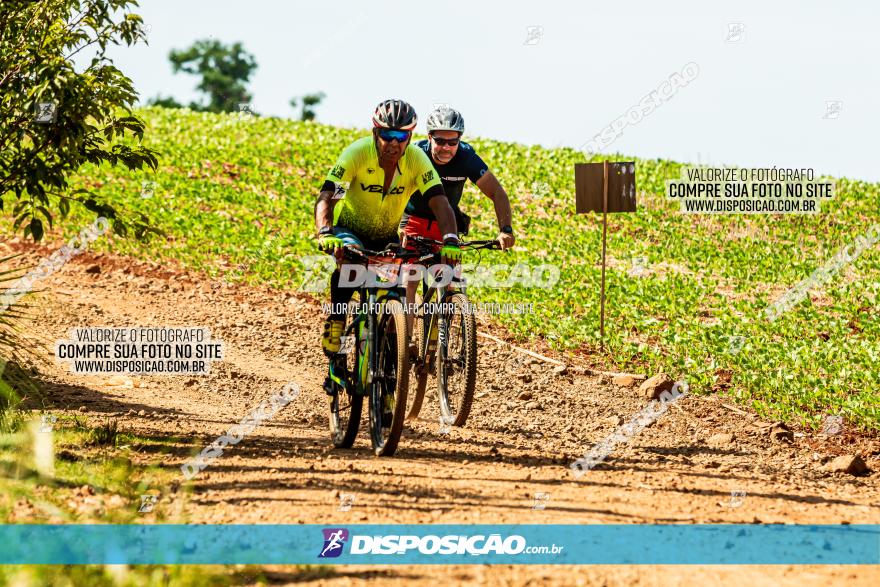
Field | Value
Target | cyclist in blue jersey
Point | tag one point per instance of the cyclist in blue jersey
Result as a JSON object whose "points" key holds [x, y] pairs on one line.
{"points": [[455, 162]]}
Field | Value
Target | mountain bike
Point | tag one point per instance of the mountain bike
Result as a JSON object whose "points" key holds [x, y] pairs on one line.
{"points": [[372, 361], [446, 340]]}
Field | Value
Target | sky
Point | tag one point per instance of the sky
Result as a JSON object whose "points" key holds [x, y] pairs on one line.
{"points": [[785, 84]]}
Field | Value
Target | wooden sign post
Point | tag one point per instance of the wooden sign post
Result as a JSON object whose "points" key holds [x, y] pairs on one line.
{"points": [[605, 187]]}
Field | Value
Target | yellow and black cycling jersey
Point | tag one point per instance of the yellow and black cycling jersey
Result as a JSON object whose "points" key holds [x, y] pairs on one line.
{"points": [[365, 208]]}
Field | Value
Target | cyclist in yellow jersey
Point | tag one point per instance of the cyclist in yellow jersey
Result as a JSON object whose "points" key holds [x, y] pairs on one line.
{"points": [[382, 172]]}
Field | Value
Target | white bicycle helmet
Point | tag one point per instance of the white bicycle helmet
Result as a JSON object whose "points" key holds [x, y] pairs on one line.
{"points": [[445, 118]]}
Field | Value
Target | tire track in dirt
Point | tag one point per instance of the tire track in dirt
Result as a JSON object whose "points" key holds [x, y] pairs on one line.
{"points": [[529, 422]]}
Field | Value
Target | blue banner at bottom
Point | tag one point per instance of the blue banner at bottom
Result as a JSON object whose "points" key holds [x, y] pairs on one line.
{"points": [[575, 544]]}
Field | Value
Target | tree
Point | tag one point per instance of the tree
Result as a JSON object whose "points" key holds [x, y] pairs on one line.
{"points": [[168, 102], [309, 101], [224, 70], [53, 118]]}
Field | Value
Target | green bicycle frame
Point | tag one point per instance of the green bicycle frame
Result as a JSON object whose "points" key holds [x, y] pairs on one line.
{"points": [[367, 354]]}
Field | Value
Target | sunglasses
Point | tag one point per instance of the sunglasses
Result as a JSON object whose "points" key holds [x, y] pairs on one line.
{"points": [[401, 136], [441, 142]]}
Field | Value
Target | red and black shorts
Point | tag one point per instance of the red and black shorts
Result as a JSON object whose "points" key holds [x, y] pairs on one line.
{"points": [[418, 226]]}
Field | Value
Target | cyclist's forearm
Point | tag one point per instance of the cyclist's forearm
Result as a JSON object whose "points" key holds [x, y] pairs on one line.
{"points": [[502, 208], [444, 214], [324, 210], [491, 187]]}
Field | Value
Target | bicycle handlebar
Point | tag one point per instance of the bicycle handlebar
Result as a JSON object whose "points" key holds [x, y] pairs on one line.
{"points": [[485, 244], [398, 253], [467, 245], [406, 253]]}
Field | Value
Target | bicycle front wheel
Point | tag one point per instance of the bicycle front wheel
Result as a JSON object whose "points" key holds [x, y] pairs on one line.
{"points": [[388, 389], [345, 404], [457, 359]]}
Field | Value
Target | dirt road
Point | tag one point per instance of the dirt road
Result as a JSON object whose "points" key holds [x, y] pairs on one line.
{"points": [[529, 422]]}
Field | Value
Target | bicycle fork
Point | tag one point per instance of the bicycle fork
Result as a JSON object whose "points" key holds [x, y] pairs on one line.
{"points": [[372, 351], [432, 328], [367, 357]]}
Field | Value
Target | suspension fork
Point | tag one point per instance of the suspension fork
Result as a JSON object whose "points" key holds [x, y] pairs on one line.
{"points": [[456, 285], [434, 322], [373, 353]]}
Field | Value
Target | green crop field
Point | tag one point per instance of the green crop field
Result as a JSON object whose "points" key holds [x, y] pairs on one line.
{"points": [[233, 191]]}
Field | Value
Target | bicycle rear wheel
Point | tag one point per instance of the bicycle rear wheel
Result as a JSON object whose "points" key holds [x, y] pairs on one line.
{"points": [[388, 390], [346, 403], [456, 359]]}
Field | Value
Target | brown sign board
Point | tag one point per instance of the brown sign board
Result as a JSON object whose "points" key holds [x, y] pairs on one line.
{"points": [[589, 179]]}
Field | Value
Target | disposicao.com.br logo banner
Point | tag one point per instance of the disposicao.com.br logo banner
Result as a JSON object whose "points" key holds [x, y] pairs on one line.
{"points": [[430, 544], [555, 544]]}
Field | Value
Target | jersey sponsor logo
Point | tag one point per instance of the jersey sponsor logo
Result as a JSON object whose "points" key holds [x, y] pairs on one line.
{"points": [[453, 178], [374, 188], [427, 176], [338, 171], [482, 171]]}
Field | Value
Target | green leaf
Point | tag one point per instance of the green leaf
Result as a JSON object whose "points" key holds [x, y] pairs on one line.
{"points": [[45, 212], [36, 229], [19, 220]]}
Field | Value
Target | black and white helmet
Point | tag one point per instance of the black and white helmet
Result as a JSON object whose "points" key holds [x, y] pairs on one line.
{"points": [[395, 114], [445, 118]]}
